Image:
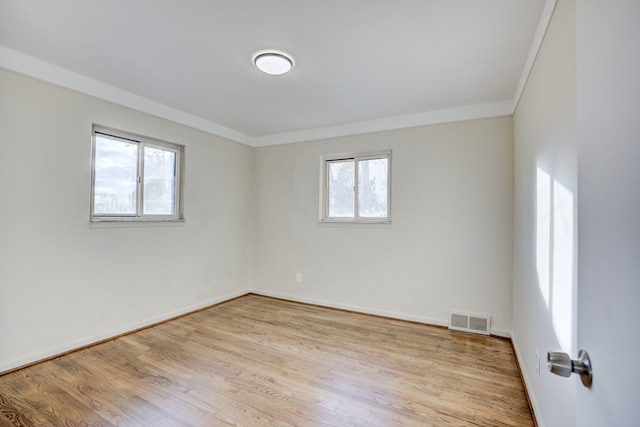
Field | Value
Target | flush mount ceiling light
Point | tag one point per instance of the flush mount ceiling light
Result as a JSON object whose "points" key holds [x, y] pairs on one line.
{"points": [[274, 63]]}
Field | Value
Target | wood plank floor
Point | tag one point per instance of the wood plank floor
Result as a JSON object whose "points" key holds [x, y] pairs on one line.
{"points": [[256, 361]]}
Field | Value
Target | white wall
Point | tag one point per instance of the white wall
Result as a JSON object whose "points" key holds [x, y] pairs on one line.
{"points": [[64, 283], [544, 281], [450, 242]]}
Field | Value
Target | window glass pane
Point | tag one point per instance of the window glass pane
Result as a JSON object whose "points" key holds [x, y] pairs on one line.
{"points": [[159, 182], [116, 173], [341, 192], [372, 188]]}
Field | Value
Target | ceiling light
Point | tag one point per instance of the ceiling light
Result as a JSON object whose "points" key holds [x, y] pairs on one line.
{"points": [[273, 63]]}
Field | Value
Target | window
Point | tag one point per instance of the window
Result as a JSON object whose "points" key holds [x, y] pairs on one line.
{"points": [[135, 178], [356, 188]]}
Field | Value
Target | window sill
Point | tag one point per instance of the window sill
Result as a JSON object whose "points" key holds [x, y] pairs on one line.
{"points": [[134, 222], [355, 224]]}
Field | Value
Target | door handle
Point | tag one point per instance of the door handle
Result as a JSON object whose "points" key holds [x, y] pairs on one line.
{"points": [[561, 364]]}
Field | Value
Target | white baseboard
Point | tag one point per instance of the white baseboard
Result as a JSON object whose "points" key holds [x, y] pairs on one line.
{"points": [[501, 333], [527, 384], [355, 308], [71, 346], [366, 310]]}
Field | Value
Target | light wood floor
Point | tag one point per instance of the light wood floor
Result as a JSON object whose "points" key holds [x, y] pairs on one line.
{"points": [[257, 361]]}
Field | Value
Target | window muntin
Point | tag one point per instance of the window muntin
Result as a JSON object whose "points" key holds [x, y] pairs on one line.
{"points": [[134, 178], [356, 188]]}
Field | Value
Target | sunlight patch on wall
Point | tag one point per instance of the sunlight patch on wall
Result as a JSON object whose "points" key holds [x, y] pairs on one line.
{"points": [[555, 254], [563, 248], [543, 233]]}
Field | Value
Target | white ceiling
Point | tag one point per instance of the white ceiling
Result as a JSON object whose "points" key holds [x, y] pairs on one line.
{"points": [[359, 64]]}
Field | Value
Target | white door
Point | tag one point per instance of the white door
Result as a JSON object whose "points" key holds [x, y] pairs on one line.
{"points": [[608, 118]]}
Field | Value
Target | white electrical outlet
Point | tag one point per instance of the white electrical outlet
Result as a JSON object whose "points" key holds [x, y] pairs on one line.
{"points": [[298, 277], [538, 363]]}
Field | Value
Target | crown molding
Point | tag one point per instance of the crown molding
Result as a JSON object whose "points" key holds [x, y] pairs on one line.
{"points": [[41, 70], [470, 112], [536, 44]]}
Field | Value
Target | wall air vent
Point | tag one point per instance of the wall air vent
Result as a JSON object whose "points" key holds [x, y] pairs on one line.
{"points": [[476, 323]]}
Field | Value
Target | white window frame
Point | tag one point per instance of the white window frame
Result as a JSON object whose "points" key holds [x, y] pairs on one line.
{"points": [[324, 187], [142, 142]]}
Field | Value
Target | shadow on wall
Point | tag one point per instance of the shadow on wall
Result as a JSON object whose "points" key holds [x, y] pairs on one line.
{"points": [[555, 256]]}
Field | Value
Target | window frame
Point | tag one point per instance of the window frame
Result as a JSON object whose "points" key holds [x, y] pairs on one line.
{"points": [[142, 142], [325, 161]]}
